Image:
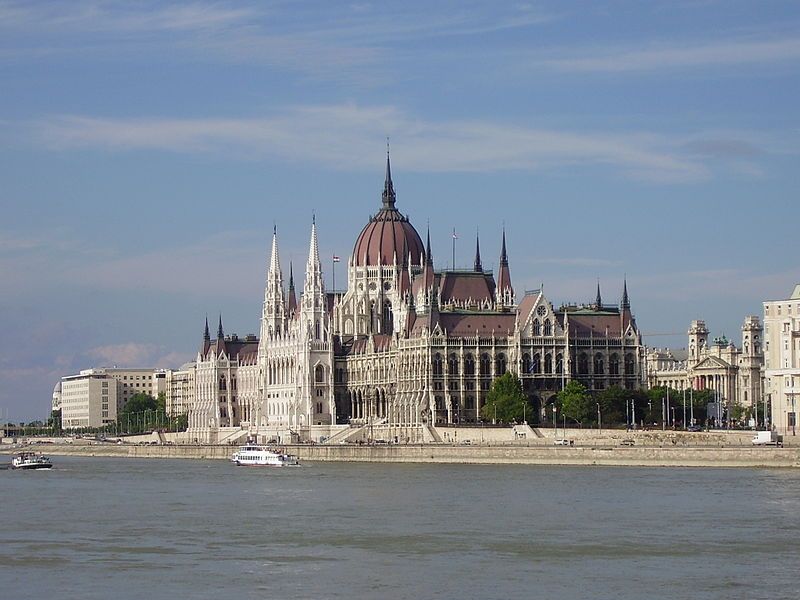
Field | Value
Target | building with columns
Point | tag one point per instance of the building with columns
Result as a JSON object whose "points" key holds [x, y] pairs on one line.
{"points": [[782, 364], [733, 374]]}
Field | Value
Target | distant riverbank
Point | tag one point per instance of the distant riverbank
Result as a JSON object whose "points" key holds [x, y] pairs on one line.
{"points": [[672, 456]]}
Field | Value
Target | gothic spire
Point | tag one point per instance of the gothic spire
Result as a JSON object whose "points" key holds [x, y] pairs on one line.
{"points": [[478, 265], [220, 331], [206, 334], [505, 291], [428, 252], [626, 304], [388, 188], [292, 303], [598, 301]]}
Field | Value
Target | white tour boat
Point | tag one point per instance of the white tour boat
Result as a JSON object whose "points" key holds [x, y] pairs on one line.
{"points": [[252, 455], [30, 460]]}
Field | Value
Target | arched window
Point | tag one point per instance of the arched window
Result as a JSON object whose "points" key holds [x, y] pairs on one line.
{"points": [[348, 327], [537, 363], [469, 365], [559, 363], [537, 327], [613, 364], [437, 364], [583, 364], [319, 374], [388, 320], [316, 330], [452, 364], [548, 363], [486, 365], [629, 364], [548, 327], [526, 363], [598, 364], [500, 366], [222, 384]]}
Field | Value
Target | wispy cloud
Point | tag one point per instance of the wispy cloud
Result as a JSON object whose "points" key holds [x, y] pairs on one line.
{"points": [[344, 138], [135, 354], [689, 54]]}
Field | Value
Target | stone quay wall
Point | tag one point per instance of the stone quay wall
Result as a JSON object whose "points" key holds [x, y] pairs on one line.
{"points": [[533, 454]]}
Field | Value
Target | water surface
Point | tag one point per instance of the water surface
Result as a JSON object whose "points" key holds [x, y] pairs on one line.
{"points": [[128, 528]]}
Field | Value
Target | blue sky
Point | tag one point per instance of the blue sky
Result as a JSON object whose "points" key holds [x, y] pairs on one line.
{"points": [[147, 149]]}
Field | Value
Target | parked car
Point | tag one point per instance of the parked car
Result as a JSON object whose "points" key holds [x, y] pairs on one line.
{"points": [[694, 428], [628, 442], [564, 442]]}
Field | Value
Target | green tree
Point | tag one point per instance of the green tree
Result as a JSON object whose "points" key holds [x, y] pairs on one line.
{"points": [[133, 418], [576, 402], [139, 403], [54, 421], [507, 399]]}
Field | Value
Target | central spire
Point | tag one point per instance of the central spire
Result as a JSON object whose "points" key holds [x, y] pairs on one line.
{"points": [[388, 188]]}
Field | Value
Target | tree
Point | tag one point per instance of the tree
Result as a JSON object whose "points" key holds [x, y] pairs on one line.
{"points": [[139, 403], [507, 399], [55, 421], [576, 402]]}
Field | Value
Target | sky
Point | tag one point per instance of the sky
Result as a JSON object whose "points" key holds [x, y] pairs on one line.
{"points": [[147, 149]]}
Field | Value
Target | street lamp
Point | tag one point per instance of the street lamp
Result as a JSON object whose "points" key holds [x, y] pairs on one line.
{"points": [[555, 422], [599, 420]]}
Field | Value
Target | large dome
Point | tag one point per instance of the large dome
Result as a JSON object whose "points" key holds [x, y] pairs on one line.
{"points": [[388, 234]]}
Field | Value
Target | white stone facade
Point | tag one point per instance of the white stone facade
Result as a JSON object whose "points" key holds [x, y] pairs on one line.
{"points": [[782, 365]]}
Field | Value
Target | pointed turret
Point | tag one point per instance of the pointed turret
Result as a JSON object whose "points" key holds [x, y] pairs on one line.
{"points": [[505, 291], [291, 307], [273, 315], [388, 195], [478, 265], [626, 303], [598, 301], [427, 272], [220, 330], [313, 304], [206, 334], [206, 340]]}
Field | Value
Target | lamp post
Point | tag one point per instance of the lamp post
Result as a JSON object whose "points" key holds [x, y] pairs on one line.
{"points": [[599, 420], [555, 422], [684, 408]]}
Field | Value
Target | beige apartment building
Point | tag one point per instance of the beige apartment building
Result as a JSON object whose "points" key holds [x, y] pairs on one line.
{"points": [[782, 365], [88, 399]]}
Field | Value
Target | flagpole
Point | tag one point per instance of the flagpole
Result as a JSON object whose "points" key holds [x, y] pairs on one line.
{"points": [[333, 273], [454, 248]]}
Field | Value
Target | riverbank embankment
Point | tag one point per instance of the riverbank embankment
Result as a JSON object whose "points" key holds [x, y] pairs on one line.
{"points": [[652, 456]]}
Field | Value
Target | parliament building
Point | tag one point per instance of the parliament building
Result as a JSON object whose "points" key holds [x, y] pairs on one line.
{"points": [[404, 349]]}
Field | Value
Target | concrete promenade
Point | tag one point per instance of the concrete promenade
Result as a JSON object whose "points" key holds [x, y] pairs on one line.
{"points": [[529, 454]]}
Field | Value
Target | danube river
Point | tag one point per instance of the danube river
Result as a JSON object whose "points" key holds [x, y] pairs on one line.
{"points": [[98, 528]]}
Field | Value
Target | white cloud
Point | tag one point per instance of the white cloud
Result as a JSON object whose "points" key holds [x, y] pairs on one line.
{"points": [[344, 136], [676, 56], [134, 354]]}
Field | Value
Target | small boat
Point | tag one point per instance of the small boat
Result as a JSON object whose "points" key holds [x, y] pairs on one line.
{"points": [[252, 455], [30, 460]]}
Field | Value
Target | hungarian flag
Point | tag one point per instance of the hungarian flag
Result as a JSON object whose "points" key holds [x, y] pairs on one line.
{"points": [[336, 258]]}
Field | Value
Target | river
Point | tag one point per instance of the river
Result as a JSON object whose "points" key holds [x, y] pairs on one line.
{"points": [[99, 528]]}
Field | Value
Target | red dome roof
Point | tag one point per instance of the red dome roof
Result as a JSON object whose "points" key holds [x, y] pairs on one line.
{"points": [[388, 233]]}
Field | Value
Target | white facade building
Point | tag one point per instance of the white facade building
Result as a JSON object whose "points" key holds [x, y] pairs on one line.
{"points": [[88, 399], [782, 365]]}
